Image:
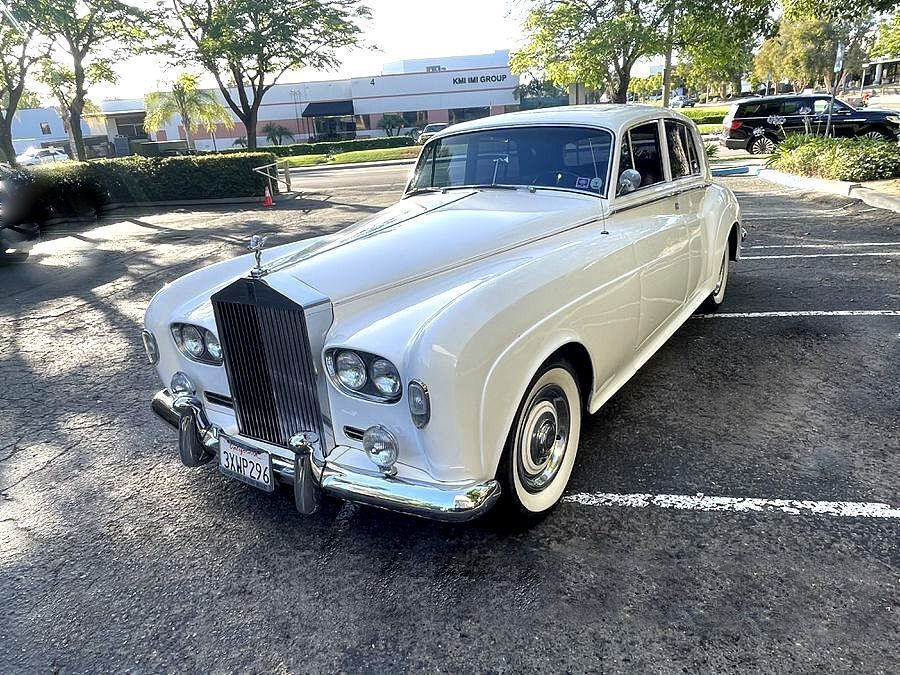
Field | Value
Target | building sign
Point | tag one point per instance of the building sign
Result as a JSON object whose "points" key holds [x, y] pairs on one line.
{"points": [[479, 79]]}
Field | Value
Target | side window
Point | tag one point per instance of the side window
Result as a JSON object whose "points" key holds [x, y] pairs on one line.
{"points": [[641, 151], [678, 159], [690, 145]]}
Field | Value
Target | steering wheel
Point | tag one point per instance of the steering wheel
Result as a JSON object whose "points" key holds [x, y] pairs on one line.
{"points": [[556, 176]]}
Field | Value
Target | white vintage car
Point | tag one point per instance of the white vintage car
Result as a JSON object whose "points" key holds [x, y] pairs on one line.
{"points": [[439, 355]]}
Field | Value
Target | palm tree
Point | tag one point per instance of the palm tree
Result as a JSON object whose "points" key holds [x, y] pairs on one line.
{"points": [[193, 105], [276, 133]]}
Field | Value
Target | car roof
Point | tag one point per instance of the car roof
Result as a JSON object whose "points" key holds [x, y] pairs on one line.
{"points": [[612, 116], [778, 97]]}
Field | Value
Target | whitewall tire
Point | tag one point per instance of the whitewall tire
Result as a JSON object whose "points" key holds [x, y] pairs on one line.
{"points": [[543, 442], [717, 297]]}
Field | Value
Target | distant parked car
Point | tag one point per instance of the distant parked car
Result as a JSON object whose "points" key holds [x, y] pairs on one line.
{"points": [[757, 125], [19, 209], [430, 130], [681, 102], [34, 156]]}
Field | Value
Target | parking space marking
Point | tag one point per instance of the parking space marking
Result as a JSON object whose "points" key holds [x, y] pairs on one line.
{"points": [[701, 502], [821, 255], [764, 315], [835, 245]]}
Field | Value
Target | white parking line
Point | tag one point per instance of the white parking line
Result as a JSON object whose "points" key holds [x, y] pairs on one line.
{"points": [[764, 315], [835, 245], [822, 255], [701, 502]]}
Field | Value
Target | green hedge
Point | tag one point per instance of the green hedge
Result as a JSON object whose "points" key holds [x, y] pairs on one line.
{"points": [[704, 115], [153, 179], [333, 147], [847, 159]]}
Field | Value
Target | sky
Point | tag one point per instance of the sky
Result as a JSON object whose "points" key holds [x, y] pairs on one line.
{"points": [[399, 30]]}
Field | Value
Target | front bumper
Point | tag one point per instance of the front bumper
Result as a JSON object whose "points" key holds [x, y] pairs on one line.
{"points": [[456, 503]]}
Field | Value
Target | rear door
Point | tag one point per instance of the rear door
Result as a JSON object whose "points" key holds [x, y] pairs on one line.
{"points": [[656, 227], [689, 187]]}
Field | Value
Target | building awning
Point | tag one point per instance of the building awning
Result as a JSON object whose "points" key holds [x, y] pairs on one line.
{"points": [[328, 109]]}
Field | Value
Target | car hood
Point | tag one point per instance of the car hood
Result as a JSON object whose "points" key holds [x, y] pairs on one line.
{"points": [[878, 111], [430, 234]]}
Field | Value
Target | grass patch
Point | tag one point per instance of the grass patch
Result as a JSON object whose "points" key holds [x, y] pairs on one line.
{"points": [[355, 157], [709, 128], [846, 159]]}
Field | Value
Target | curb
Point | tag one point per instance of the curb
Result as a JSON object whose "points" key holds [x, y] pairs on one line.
{"points": [[183, 202], [858, 191], [877, 199], [353, 165], [744, 170], [834, 187]]}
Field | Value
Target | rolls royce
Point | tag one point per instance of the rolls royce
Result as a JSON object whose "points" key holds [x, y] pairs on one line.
{"points": [[440, 355]]}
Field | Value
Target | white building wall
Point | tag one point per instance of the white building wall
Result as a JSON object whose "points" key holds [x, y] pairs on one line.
{"points": [[27, 132], [498, 59]]}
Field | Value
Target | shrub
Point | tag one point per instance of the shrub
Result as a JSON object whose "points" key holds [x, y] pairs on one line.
{"points": [[151, 179], [332, 147], [847, 159], [704, 115]]}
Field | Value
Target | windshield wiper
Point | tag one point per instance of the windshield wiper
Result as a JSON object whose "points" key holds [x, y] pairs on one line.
{"points": [[482, 186], [423, 190]]}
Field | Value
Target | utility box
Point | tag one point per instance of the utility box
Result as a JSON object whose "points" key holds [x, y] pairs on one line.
{"points": [[161, 148]]}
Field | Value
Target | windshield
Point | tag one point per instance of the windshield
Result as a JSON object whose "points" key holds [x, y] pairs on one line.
{"points": [[571, 158]]}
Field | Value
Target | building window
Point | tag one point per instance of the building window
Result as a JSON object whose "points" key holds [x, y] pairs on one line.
{"points": [[415, 118], [458, 115], [45, 128], [363, 122]]}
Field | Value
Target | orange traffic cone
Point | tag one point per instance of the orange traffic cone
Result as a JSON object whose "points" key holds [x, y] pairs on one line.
{"points": [[268, 200]]}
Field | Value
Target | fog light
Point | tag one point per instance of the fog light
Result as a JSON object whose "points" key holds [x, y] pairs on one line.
{"points": [[181, 384], [381, 447]]}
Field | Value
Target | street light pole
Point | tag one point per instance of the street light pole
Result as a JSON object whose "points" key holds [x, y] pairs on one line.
{"points": [[295, 94]]}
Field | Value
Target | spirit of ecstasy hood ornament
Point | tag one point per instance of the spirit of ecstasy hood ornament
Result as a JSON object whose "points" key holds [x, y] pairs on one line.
{"points": [[257, 244]]}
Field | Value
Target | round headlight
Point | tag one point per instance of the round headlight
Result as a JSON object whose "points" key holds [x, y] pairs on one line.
{"points": [[192, 341], [381, 447], [350, 370], [213, 346], [385, 377]]}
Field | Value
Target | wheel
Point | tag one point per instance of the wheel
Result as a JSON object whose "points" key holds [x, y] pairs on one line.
{"points": [[543, 441], [761, 145], [717, 297], [876, 135]]}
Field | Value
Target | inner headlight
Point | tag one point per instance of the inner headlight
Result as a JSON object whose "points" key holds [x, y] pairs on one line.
{"points": [[193, 341], [364, 375], [350, 369]]}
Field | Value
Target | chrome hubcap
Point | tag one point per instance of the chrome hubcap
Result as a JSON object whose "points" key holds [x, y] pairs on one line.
{"points": [[874, 135], [764, 145], [543, 438]]}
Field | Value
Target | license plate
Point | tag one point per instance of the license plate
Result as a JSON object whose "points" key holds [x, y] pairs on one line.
{"points": [[248, 465]]}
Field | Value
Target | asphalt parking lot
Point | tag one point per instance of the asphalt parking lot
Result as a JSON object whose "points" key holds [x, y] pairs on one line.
{"points": [[114, 557]]}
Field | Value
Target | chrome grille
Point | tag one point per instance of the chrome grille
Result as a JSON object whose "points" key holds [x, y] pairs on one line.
{"points": [[268, 362]]}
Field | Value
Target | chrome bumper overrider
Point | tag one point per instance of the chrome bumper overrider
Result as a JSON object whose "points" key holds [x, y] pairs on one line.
{"points": [[453, 504]]}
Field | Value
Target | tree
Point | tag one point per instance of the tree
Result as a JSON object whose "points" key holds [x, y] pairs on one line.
{"points": [[20, 49], [193, 105], [642, 87], [888, 40], [62, 83], [276, 133], [92, 33], [595, 42], [248, 45], [392, 123], [715, 52]]}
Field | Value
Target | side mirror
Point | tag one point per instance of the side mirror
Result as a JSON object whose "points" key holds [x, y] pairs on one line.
{"points": [[629, 181]]}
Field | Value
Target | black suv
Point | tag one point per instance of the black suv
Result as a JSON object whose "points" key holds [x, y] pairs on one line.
{"points": [[758, 124]]}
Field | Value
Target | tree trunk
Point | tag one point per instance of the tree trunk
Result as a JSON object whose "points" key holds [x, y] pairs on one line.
{"points": [[667, 70], [621, 93], [250, 123], [76, 134], [186, 123], [7, 149]]}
